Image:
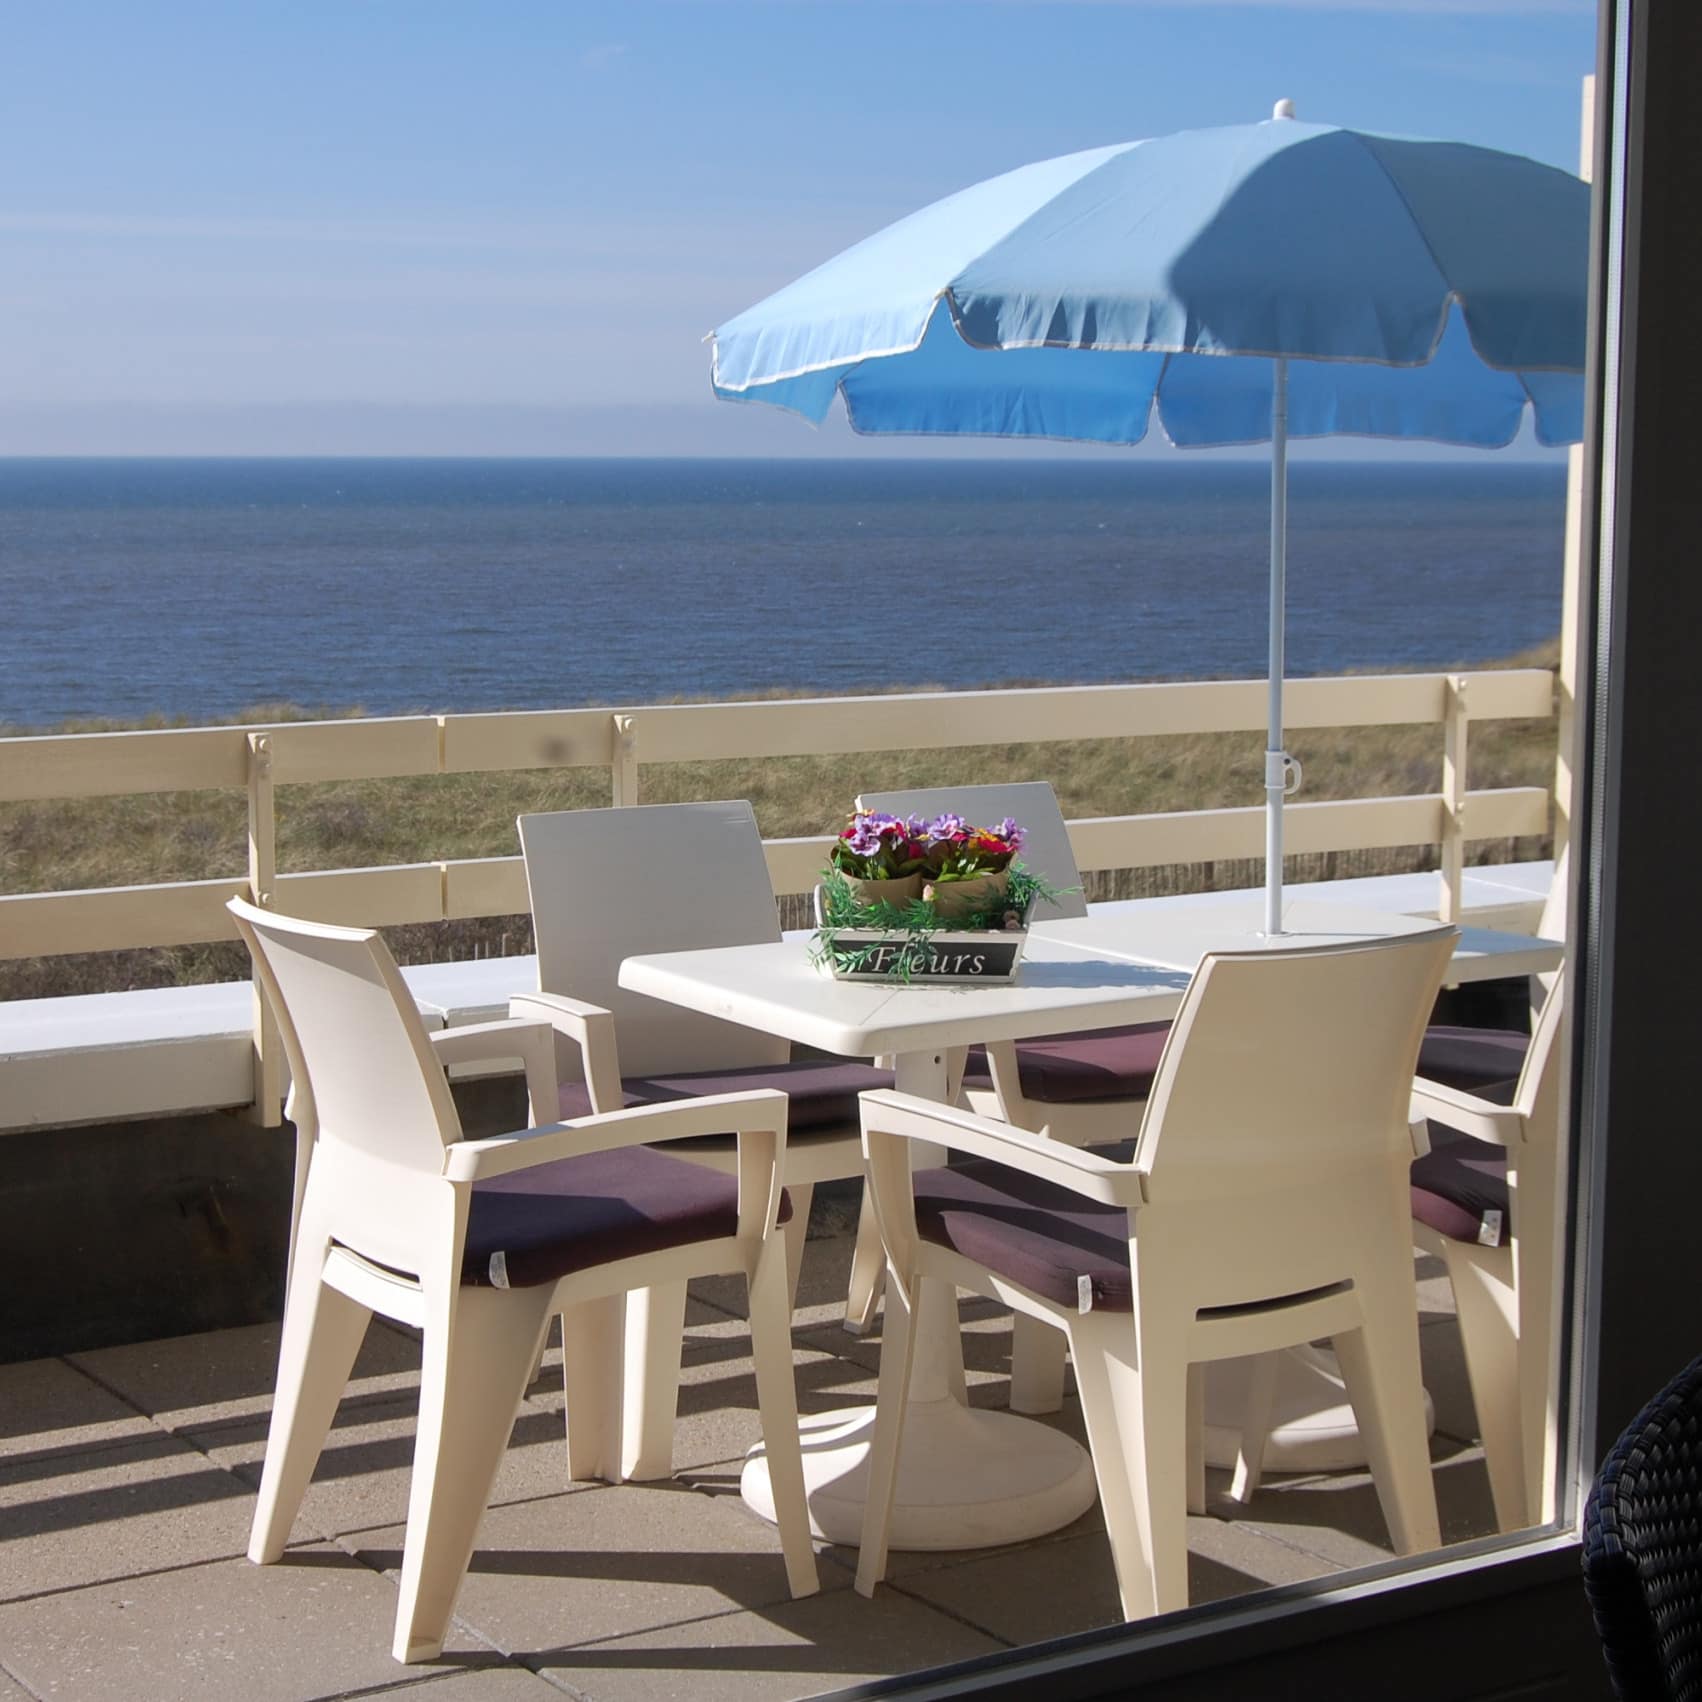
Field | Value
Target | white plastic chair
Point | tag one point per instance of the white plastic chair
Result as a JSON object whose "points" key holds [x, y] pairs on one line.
{"points": [[479, 1243], [1480, 1059], [1017, 1080], [1489, 1206], [611, 884], [1266, 1205]]}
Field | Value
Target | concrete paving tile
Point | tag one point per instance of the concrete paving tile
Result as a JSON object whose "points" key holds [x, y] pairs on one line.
{"points": [[1444, 1360], [1435, 1292], [47, 1406], [1064, 1585], [610, 1562], [794, 1649], [1339, 1519], [189, 1382], [10, 1692], [986, 1350], [477, 1684], [1227, 1559], [716, 1417], [318, 1624], [903, 1565], [114, 1512], [363, 1475]]}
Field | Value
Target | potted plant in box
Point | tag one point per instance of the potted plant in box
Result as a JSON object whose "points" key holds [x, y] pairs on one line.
{"points": [[907, 900]]}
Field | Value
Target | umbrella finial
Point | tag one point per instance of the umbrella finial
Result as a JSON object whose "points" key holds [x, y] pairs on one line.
{"points": [[1284, 108]]}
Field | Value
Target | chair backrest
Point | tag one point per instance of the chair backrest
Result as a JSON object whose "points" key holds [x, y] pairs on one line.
{"points": [[352, 1032], [1552, 924], [1537, 1095], [1288, 1068], [1032, 804], [618, 883]]}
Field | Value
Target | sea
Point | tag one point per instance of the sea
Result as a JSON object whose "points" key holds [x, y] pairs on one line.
{"points": [[199, 588]]}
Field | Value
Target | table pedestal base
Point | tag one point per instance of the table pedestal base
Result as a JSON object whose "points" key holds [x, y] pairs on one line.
{"points": [[1312, 1422], [966, 1478]]}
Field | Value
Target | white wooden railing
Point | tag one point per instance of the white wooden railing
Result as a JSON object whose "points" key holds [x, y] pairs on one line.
{"points": [[262, 759]]}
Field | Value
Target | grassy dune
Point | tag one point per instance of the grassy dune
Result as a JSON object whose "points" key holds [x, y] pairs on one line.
{"points": [[97, 842]]}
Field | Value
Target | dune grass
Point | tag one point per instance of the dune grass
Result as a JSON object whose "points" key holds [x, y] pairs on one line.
{"points": [[98, 842]]}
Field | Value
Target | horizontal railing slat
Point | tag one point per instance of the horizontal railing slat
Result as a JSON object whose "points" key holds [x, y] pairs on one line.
{"points": [[192, 912], [556, 738], [355, 750], [83, 765], [485, 886]]}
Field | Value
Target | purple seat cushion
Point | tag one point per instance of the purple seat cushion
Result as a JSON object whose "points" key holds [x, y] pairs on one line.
{"points": [[1472, 1058], [1459, 1187], [533, 1226], [1067, 1069], [822, 1091], [1033, 1232]]}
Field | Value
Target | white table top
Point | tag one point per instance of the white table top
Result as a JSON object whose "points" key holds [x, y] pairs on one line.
{"points": [[777, 989], [1097, 971], [1177, 938]]}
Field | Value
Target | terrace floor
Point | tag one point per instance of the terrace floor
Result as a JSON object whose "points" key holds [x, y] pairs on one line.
{"points": [[127, 1479]]}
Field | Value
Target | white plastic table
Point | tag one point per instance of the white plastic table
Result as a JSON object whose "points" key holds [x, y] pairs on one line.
{"points": [[967, 1478]]}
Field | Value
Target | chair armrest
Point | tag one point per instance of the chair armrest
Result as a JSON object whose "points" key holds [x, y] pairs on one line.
{"points": [[591, 1028], [762, 1111], [533, 1043], [886, 1112], [1500, 1124]]}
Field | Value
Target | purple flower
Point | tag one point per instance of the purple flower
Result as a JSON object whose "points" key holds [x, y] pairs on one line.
{"points": [[863, 838], [1013, 835], [915, 827], [944, 827]]}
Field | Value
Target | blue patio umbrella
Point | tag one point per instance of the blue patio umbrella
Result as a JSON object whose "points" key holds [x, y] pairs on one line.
{"points": [[1251, 284]]}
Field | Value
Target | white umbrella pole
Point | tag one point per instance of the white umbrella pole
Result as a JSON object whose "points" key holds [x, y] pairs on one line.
{"points": [[1276, 759]]}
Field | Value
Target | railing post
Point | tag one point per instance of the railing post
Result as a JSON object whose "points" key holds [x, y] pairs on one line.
{"points": [[623, 770], [1456, 719], [262, 884]]}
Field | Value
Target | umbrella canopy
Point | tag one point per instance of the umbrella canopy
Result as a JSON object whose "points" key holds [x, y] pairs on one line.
{"points": [[1247, 284]]}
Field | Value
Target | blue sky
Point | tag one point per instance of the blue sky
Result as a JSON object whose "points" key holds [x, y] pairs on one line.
{"points": [[430, 226]]}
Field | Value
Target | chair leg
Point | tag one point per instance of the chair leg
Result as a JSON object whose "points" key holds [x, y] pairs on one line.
{"points": [[592, 1357], [1039, 1352], [795, 1232], [1196, 1438], [655, 1326], [1379, 1364], [479, 1348], [1484, 1303], [1536, 1212], [777, 1407], [898, 1352], [1137, 1422], [322, 1333], [868, 1271], [1255, 1428]]}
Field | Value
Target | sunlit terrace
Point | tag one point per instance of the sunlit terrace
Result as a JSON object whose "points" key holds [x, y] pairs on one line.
{"points": [[137, 1397]]}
